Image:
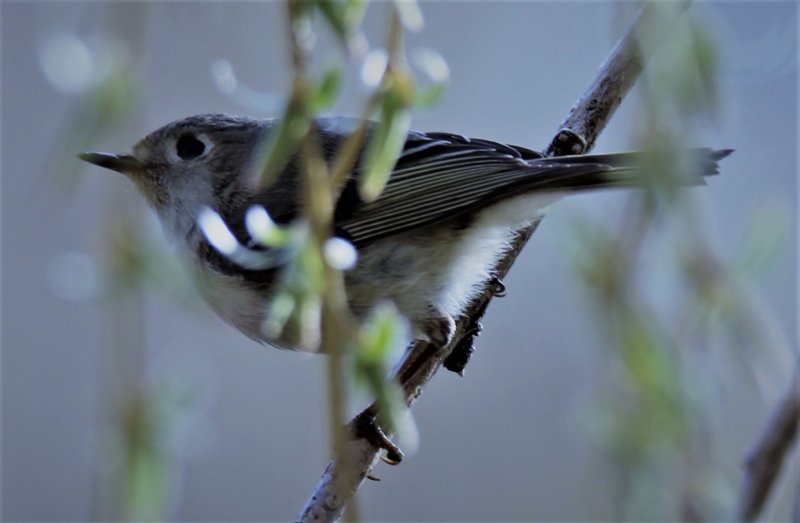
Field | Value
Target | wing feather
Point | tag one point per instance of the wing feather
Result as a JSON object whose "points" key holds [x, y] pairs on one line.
{"points": [[440, 176], [447, 187]]}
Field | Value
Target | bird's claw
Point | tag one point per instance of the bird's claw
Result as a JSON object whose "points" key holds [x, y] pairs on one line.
{"points": [[457, 360], [366, 427], [567, 142], [497, 287]]}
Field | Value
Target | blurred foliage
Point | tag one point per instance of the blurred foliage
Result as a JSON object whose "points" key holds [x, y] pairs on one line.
{"points": [[654, 419], [152, 422], [97, 73], [107, 99], [135, 258], [311, 303], [145, 492], [382, 332], [651, 420]]}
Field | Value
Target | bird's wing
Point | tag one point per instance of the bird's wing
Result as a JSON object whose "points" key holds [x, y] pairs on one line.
{"points": [[440, 176]]}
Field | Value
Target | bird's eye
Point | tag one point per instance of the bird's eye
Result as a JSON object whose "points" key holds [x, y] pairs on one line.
{"points": [[189, 147]]}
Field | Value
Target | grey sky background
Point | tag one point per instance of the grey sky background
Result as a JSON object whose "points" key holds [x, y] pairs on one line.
{"points": [[507, 442]]}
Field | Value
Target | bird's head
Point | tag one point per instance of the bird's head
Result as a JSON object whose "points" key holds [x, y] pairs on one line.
{"points": [[188, 164]]}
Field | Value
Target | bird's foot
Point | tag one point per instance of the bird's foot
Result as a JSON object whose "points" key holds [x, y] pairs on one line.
{"points": [[438, 327], [458, 358], [567, 143], [366, 427], [497, 287]]}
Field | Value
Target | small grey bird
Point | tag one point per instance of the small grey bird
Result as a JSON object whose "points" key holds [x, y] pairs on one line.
{"points": [[427, 243]]}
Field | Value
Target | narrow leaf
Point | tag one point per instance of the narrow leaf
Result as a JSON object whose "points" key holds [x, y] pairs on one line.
{"points": [[383, 150]]}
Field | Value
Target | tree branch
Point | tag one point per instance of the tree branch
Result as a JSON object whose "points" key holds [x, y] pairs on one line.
{"points": [[767, 457], [576, 135]]}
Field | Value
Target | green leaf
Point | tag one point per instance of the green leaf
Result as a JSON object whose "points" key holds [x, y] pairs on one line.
{"points": [[312, 266], [379, 334], [281, 144], [335, 13], [344, 18], [116, 96], [328, 90], [705, 55], [263, 230], [382, 332], [767, 235], [145, 488], [434, 67], [384, 148], [427, 97], [280, 309], [410, 14], [307, 320], [354, 11]]}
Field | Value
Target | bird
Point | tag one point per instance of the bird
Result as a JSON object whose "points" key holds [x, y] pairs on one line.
{"points": [[427, 243]]}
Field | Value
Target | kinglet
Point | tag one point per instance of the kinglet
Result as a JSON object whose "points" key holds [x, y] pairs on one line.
{"points": [[427, 243]]}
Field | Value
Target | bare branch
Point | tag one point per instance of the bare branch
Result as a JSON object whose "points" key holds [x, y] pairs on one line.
{"points": [[770, 451], [576, 135]]}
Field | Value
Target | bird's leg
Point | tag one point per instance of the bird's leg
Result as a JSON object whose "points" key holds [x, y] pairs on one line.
{"points": [[366, 426], [438, 327], [458, 358]]}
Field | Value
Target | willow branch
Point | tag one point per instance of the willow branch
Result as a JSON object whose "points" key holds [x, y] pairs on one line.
{"points": [[769, 453], [576, 135]]}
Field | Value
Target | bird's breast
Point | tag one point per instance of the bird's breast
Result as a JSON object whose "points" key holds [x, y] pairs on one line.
{"points": [[234, 300]]}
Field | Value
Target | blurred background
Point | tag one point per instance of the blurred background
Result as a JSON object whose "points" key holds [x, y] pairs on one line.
{"points": [[123, 396]]}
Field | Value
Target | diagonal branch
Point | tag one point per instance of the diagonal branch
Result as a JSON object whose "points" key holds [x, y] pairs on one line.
{"points": [[770, 451], [576, 135]]}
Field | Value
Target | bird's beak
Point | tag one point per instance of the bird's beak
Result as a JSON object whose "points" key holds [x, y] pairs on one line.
{"points": [[122, 163]]}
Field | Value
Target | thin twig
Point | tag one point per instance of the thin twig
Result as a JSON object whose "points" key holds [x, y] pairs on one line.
{"points": [[769, 453], [581, 127], [319, 196]]}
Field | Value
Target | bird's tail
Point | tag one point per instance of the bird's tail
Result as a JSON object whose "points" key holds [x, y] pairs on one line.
{"points": [[597, 171]]}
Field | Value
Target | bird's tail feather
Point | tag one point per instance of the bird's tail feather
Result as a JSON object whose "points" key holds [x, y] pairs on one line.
{"points": [[596, 171]]}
